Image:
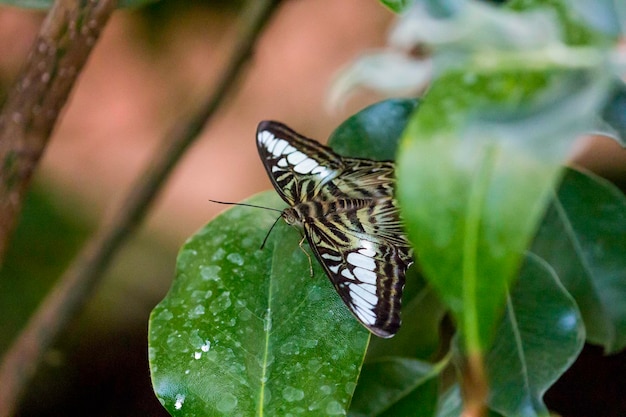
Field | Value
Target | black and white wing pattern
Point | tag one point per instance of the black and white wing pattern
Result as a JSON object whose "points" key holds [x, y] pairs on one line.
{"points": [[346, 209], [302, 169]]}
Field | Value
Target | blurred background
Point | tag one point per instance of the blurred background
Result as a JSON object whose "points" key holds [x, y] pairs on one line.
{"points": [[151, 67]]}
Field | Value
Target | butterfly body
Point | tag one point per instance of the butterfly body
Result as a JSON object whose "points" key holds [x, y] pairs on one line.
{"points": [[346, 210]]}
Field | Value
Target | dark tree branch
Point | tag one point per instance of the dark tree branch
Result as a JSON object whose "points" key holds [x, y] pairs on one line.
{"points": [[85, 272], [67, 36]]}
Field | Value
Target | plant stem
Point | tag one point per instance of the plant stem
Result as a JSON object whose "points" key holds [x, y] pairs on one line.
{"points": [[63, 44], [80, 279]]}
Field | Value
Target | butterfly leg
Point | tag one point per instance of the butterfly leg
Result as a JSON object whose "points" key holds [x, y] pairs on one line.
{"points": [[307, 255]]}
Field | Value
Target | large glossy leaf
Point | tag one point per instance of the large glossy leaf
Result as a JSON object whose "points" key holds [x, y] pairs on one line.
{"points": [[375, 131], [539, 337], [583, 237], [475, 174], [396, 387], [245, 331]]}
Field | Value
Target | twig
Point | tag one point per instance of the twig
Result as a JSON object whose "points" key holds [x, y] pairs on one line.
{"points": [[57, 56], [81, 278]]}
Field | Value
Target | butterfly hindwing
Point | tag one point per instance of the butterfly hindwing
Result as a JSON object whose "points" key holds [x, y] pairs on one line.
{"points": [[368, 271]]}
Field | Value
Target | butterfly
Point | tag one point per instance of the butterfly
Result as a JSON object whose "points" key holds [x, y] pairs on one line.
{"points": [[346, 209]]}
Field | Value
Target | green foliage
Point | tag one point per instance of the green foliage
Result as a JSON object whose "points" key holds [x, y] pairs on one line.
{"points": [[245, 331], [526, 257]]}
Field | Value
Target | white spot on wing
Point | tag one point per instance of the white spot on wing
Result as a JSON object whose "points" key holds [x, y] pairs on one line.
{"points": [[359, 291], [296, 157], [321, 171], [305, 166], [365, 275], [282, 162], [265, 136], [367, 251], [347, 273], [361, 261], [334, 269], [279, 147], [366, 315]]}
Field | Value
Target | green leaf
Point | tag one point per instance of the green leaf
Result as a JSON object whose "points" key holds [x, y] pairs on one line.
{"points": [[583, 237], [246, 332], [46, 4], [397, 6], [396, 386], [539, 338], [421, 320], [475, 172], [375, 131]]}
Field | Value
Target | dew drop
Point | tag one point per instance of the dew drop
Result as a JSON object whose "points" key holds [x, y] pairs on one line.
{"points": [[220, 303], [218, 255], [235, 258], [350, 387], [180, 399], [227, 402], [165, 315], [333, 408], [291, 394], [196, 312], [210, 273]]}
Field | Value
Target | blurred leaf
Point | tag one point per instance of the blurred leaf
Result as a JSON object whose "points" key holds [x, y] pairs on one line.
{"points": [[605, 16], [43, 243], [537, 341], [245, 331], [450, 403], [46, 4], [391, 72], [583, 237], [396, 387], [613, 116], [375, 131], [474, 175], [397, 6]]}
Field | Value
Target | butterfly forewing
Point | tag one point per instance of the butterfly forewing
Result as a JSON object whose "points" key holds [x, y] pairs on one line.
{"points": [[302, 169], [297, 166], [346, 209]]}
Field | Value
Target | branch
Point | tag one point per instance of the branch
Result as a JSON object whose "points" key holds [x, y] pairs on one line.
{"points": [[79, 281], [67, 36]]}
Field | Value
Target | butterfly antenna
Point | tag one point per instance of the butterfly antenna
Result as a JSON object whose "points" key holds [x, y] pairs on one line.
{"points": [[269, 231], [245, 205]]}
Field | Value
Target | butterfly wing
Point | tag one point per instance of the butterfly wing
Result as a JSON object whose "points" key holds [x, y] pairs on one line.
{"points": [[302, 169], [367, 270], [298, 167], [363, 178]]}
